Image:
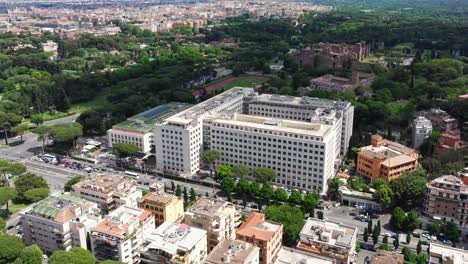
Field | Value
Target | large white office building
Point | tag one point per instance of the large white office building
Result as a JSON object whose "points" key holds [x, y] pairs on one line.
{"points": [[301, 138]]}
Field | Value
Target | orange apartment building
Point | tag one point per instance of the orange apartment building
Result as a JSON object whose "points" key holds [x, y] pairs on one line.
{"points": [[385, 159], [264, 234]]}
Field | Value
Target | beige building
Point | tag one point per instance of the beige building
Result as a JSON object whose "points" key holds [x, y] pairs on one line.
{"points": [[443, 254], [447, 199], [165, 207], [267, 235], [219, 218], [288, 255], [329, 239], [234, 252], [108, 191], [174, 243], [59, 223], [120, 235]]}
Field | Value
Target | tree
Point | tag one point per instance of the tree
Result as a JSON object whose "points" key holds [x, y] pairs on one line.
{"points": [[74, 180], [123, 150], [398, 218], [240, 170], [385, 240], [178, 191], [419, 247], [263, 175], [173, 186], [310, 202], [365, 235], [433, 227], [383, 196], [37, 119], [7, 194], [295, 198], [10, 248], [292, 219], [193, 195], [223, 171], [407, 254], [43, 134], [73, 256], [396, 242], [254, 189], [408, 238], [28, 181], [411, 222], [227, 185], [30, 255], [19, 130], [266, 193], [210, 157], [451, 231], [370, 226], [243, 187], [280, 195], [2, 225], [7, 121], [379, 226], [333, 187], [409, 189], [67, 132], [185, 193], [11, 168], [320, 215], [36, 194], [375, 236]]}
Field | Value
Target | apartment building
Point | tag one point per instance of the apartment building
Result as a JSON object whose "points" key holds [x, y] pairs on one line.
{"points": [[234, 252], [288, 255], [138, 129], [264, 122], [421, 130], [219, 218], [174, 243], [165, 207], [330, 239], [302, 154], [266, 235], [385, 159], [120, 235], [443, 254], [108, 191], [447, 199], [59, 223]]}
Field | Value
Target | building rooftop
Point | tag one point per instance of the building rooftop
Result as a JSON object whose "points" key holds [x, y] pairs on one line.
{"points": [[344, 190], [145, 121], [316, 129], [122, 221], [208, 207], [173, 238], [328, 232], [305, 101], [256, 226], [288, 255], [439, 254], [105, 184], [231, 251], [163, 199], [386, 257], [61, 209]]}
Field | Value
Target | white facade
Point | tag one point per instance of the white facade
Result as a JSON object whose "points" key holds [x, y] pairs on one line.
{"points": [[59, 223], [422, 129], [301, 138], [175, 243], [144, 140], [121, 234]]}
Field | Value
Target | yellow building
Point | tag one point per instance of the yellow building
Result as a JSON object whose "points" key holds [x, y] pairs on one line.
{"points": [[165, 207]]}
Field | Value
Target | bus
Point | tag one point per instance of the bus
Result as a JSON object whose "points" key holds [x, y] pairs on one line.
{"points": [[132, 175]]}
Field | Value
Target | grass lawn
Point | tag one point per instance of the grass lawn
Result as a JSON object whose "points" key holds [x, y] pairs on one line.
{"points": [[15, 208], [244, 82], [97, 101]]}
